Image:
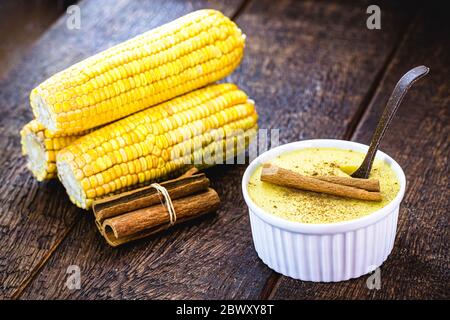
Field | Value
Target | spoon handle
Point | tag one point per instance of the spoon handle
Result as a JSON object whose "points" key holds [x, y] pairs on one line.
{"points": [[392, 105]]}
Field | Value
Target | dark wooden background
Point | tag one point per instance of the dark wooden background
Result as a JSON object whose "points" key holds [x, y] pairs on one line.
{"points": [[314, 70]]}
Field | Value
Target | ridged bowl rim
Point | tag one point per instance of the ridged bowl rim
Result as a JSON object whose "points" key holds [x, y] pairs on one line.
{"points": [[322, 228]]}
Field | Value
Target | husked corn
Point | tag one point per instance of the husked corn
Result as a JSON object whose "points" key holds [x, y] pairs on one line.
{"points": [[178, 57], [40, 146], [195, 129]]}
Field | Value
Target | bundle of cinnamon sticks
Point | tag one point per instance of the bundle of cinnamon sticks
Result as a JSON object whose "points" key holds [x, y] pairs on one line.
{"points": [[141, 212], [362, 189]]}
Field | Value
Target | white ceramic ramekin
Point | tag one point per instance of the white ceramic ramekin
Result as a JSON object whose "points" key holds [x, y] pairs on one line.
{"points": [[323, 252]]}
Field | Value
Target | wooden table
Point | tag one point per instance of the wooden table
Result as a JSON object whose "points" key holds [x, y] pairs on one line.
{"points": [[315, 71]]}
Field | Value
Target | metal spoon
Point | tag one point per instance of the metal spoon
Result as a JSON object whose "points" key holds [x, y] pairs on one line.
{"points": [[392, 105]]}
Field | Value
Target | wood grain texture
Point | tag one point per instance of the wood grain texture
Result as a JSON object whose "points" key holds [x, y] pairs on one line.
{"points": [[35, 217], [309, 66], [21, 23], [419, 266]]}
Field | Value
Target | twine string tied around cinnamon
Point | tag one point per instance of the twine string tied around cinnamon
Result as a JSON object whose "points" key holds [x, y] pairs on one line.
{"points": [[167, 202]]}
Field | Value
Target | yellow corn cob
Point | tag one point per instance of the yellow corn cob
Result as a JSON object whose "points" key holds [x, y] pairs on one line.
{"points": [[178, 57], [152, 144], [40, 146]]}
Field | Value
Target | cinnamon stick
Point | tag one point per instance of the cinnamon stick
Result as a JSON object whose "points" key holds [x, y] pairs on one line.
{"points": [[366, 184], [283, 177], [152, 219], [148, 196], [114, 242], [99, 226], [188, 173]]}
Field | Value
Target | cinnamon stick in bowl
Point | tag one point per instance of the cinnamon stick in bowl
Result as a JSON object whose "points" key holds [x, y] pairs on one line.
{"points": [[366, 184], [287, 178]]}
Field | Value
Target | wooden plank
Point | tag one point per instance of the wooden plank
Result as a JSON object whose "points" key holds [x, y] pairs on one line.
{"points": [[309, 67], [36, 217], [21, 23], [419, 266]]}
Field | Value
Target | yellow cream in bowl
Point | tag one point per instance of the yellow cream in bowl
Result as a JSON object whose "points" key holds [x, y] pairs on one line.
{"points": [[311, 207]]}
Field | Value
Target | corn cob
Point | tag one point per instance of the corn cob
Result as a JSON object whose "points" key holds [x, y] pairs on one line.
{"points": [[40, 146], [176, 58], [152, 144]]}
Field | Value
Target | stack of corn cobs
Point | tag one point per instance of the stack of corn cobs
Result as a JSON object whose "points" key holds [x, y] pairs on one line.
{"points": [[141, 111]]}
